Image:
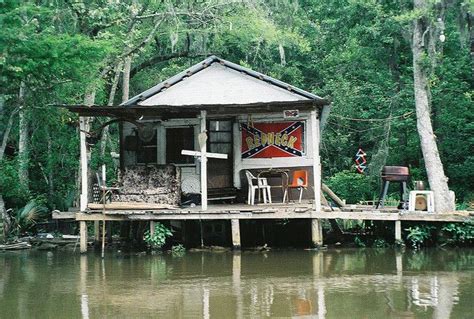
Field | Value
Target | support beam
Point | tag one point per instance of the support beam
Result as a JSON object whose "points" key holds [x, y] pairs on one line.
{"points": [[96, 231], [331, 194], [316, 161], [316, 233], [83, 150], [203, 146], [152, 227], [83, 235], [235, 225], [398, 231]]}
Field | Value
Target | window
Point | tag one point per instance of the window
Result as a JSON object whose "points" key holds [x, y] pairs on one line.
{"points": [[220, 137], [147, 151], [178, 139]]}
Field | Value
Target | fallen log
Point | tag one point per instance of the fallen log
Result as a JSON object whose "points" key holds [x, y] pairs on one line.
{"points": [[15, 246]]}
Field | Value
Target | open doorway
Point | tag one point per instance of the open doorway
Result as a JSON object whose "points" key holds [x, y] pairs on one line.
{"points": [[220, 174]]}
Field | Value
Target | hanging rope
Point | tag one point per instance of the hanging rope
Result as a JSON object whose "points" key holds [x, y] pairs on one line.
{"points": [[403, 116]]}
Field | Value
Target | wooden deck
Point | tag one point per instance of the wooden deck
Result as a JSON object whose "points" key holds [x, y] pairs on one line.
{"points": [[236, 212], [141, 211]]}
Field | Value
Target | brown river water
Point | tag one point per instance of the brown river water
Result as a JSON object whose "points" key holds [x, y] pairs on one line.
{"points": [[343, 283]]}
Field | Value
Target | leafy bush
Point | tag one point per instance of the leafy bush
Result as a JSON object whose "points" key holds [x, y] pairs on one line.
{"points": [[459, 233], [178, 250], [359, 242], [380, 243], [417, 235], [12, 190], [158, 238], [352, 187], [27, 217]]}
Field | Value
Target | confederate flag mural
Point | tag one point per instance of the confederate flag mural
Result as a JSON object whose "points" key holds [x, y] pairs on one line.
{"points": [[266, 140]]}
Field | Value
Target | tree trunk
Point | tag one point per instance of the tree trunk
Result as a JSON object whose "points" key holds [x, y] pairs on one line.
{"points": [[23, 139], [2, 218], [126, 78], [113, 90], [50, 165], [89, 99], [125, 226], [434, 167]]}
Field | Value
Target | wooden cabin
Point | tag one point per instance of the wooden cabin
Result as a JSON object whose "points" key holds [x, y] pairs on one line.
{"points": [[188, 144]]}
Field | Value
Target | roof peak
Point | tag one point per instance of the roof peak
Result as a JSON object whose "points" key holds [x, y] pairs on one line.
{"points": [[215, 59]]}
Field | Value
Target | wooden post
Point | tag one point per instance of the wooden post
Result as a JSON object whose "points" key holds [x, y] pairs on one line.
{"points": [[103, 238], [316, 233], [203, 147], [96, 231], [398, 231], [399, 263], [83, 149], [235, 225], [316, 161], [331, 194], [83, 235], [152, 227]]}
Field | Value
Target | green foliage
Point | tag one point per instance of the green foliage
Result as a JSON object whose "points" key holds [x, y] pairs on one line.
{"points": [[351, 186], [380, 243], [158, 239], [359, 242], [459, 233], [417, 235], [178, 250], [12, 191], [27, 217]]}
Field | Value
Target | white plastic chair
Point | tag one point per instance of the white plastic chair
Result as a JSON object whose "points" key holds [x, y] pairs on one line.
{"points": [[429, 200], [261, 184]]}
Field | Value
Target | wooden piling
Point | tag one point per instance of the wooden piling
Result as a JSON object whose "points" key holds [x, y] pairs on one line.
{"points": [[316, 233], [96, 231], [235, 233], [398, 231], [152, 227], [83, 235]]}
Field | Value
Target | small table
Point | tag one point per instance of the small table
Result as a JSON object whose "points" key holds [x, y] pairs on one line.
{"points": [[275, 172]]}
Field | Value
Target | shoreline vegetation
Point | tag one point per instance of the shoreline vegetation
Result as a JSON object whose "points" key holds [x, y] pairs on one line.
{"points": [[415, 236]]}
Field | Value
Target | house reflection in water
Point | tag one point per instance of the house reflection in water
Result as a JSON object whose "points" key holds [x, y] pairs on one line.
{"points": [[286, 284]]}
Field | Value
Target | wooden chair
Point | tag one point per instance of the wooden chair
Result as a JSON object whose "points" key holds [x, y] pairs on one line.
{"points": [[261, 184], [299, 181], [103, 192]]}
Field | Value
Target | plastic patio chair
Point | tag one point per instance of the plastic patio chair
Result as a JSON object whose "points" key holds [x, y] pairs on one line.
{"points": [[299, 181], [261, 184]]}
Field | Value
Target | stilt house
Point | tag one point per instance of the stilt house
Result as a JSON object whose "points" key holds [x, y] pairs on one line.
{"points": [[200, 133], [218, 142]]}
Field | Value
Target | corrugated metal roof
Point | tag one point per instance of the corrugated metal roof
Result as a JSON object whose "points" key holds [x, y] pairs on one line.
{"points": [[285, 91]]}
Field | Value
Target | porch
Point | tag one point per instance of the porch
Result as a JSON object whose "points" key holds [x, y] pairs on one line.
{"points": [[237, 212]]}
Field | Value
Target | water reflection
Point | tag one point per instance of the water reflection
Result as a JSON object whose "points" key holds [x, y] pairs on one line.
{"points": [[301, 284]]}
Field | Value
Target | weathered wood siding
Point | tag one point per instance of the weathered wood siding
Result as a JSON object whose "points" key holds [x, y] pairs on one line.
{"points": [[190, 172]]}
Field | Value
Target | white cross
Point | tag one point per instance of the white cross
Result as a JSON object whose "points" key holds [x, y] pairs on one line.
{"points": [[203, 154], [199, 154]]}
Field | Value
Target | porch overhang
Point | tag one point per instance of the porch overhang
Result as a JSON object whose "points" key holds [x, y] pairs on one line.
{"points": [[191, 111]]}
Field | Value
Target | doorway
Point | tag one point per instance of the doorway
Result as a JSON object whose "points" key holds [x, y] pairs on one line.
{"points": [[220, 140]]}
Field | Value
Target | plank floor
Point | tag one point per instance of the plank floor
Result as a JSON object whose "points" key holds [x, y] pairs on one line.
{"points": [[144, 211]]}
